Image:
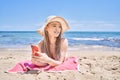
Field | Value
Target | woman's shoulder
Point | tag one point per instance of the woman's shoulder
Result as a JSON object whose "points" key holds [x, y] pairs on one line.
{"points": [[64, 40], [64, 44], [40, 42]]}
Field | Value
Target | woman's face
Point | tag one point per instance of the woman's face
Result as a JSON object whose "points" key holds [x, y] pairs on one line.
{"points": [[54, 29]]}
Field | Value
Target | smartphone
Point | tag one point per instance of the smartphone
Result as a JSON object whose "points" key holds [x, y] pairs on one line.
{"points": [[35, 50]]}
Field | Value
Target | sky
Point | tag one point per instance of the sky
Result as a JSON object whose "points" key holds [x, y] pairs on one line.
{"points": [[81, 15]]}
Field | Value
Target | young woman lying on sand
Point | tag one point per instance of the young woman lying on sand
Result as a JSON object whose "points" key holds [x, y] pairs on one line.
{"points": [[52, 49]]}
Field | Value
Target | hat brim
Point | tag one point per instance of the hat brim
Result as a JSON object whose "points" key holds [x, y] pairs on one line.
{"points": [[63, 23]]}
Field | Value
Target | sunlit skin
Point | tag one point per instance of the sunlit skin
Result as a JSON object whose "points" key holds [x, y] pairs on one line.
{"points": [[54, 29]]}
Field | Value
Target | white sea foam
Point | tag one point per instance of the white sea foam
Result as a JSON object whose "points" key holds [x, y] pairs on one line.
{"points": [[92, 39]]}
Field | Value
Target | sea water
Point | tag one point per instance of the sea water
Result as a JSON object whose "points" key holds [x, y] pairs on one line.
{"points": [[23, 38]]}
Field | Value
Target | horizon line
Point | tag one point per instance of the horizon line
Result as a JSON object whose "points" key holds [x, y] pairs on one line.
{"points": [[36, 31]]}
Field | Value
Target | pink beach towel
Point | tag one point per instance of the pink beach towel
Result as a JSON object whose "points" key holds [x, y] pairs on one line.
{"points": [[69, 64]]}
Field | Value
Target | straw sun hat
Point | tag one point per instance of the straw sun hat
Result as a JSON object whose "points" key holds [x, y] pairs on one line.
{"points": [[50, 19]]}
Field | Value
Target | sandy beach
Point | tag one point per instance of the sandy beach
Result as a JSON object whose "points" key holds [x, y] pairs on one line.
{"points": [[95, 63]]}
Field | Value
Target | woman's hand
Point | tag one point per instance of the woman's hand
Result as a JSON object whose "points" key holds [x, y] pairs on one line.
{"points": [[39, 60], [42, 58]]}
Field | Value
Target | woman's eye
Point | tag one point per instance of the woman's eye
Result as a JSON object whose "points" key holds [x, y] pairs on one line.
{"points": [[54, 26]]}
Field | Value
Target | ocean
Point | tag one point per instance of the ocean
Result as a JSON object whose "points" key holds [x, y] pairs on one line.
{"points": [[24, 38]]}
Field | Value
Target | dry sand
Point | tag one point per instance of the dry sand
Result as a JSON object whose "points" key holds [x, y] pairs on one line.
{"points": [[100, 63]]}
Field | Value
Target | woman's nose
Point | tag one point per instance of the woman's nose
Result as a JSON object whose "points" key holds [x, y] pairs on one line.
{"points": [[56, 28]]}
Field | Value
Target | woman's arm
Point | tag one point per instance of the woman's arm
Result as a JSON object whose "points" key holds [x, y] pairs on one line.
{"points": [[44, 58], [35, 58]]}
